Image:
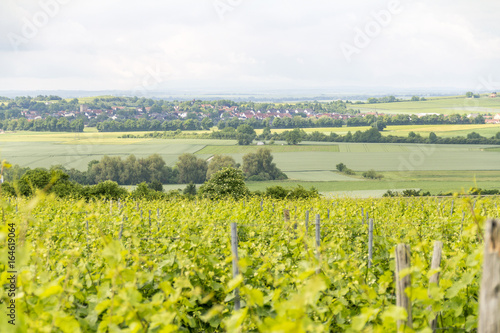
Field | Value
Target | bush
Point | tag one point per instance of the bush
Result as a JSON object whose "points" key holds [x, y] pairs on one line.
{"points": [[228, 182], [190, 189], [156, 186], [344, 169], [8, 189], [372, 174], [107, 190], [278, 192]]}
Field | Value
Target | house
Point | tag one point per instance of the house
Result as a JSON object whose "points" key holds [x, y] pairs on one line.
{"points": [[493, 95]]}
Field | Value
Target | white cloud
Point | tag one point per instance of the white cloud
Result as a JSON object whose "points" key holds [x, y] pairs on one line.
{"points": [[256, 45]]}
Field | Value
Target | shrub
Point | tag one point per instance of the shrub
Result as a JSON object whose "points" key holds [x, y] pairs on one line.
{"points": [[372, 174], [228, 182], [107, 189], [278, 192]]}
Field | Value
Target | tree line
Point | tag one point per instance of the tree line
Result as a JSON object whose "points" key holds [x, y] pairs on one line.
{"points": [[373, 135], [245, 135], [131, 125], [49, 124], [256, 166]]}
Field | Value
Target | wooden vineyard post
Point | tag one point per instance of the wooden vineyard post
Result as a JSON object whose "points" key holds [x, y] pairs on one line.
{"points": [[462, 226], [273, 207], [286, 215], [121, 229], [451, 210], [149, 212], [328, 213], [157, 213], [234, 249], [318, 240], [370, 242], [87, 227], [402, 300], [435, 264], [489, 297], [261, 205], [307, 221]]}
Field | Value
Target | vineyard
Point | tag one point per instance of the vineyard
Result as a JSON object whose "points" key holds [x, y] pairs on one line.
{"points": [[301, 266]]}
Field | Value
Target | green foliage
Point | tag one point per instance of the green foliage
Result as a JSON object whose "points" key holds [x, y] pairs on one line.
{"points": [[406, 193], [219, 162], [259, 166], [106, 190], [341, 167], [294, 137], [191, 169], [372, 174], [156, 186], [379, 125], [245, 134], [228, 182], [190, 189], [93, 267], [299, 192]]}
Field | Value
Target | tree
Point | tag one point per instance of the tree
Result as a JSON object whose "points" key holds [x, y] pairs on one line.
{"points": [[228, 182], [469, 94], [190, 189], [372, 174], [344, 169], [191, 169], [432, 137], [246, 134], [379, 125], [415, 98], [293, 137], [341, 167], [156, 186], [207, 123], [479, 120], [266, 133], [259, 166], [219, 162]]}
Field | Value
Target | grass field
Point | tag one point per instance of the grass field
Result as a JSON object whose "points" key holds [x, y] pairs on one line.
{"points": [[444, 105], [274, 149], [433, 168], [487, 130]]}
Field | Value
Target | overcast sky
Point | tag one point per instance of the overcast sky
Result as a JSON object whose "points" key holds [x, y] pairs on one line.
{"points": [[248, 44]]}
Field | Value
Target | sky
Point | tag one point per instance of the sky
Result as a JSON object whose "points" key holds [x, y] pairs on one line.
{"points": [[249, 45]]}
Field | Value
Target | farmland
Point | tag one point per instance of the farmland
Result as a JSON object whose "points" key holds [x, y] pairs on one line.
{"points": [[441, 105], [308, 164], [167, 265]]}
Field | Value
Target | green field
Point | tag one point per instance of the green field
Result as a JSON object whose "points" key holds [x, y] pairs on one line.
{"points": [[442, 105], [274, 149], [433, 168], [487, 130]]}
